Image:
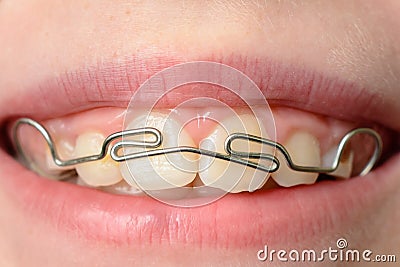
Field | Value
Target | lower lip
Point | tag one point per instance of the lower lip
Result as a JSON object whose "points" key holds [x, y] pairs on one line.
{"points": [[237, 220]]}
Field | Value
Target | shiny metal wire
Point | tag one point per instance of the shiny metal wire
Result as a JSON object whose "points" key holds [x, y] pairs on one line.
{"points": [[232, 155], [339, 152]]}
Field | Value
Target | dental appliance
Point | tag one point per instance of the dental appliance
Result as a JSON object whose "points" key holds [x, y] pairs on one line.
{"points": [[118, 141]]}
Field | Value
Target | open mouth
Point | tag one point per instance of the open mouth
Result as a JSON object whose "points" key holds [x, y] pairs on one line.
{"points": [[109, 201]]}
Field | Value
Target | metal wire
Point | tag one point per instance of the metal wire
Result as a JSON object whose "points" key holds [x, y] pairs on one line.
{"points": [[231, 155]]}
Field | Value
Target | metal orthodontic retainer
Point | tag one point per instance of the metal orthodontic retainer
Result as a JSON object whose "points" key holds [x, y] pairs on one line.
{"points": [[238, 157]]}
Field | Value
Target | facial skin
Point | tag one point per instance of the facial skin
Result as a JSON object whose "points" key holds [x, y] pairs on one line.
{"points": [[356, 41]]}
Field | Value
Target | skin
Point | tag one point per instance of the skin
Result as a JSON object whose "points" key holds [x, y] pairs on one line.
{"points": [[355, 40]]}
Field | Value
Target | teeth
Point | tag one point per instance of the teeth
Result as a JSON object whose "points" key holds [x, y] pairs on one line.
{"points": [[345, 167], [123, 188], [176, 170], [65, 151], [304, 150], [97, 173], [229, 176], [164, 171]]}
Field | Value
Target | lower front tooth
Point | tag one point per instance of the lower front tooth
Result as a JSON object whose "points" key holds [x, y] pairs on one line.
{"points": [[229, 176], [304, 150], [163, 171], [97, 173]]}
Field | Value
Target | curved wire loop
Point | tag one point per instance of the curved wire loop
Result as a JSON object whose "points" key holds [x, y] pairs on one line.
{"points": [[339, 152], [231, 154]]}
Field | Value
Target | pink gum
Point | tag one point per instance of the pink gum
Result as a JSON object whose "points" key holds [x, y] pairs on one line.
{"points": [[109, 120]]}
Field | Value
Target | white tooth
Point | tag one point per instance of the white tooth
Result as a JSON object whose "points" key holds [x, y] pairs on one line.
{"points": [[345, 167], [304, 150], [125, 172], [100, 172], [177, 193], [163, 171], [229, 176], [65, 151], [123, 188]]}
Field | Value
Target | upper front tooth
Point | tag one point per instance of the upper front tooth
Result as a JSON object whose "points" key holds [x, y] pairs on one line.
{"points": [[100, 172], [304, 150], [229, 176], [163, 171]]}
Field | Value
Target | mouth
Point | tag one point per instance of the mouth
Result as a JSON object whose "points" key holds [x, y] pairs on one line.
{"points": [[310, 109]]}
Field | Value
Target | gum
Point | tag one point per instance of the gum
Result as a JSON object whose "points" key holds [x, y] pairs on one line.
{"points": [[328, 131], [109, 120], [104, 120]]}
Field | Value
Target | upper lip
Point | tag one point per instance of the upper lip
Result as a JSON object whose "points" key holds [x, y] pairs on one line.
{"points": [[113, 85]]}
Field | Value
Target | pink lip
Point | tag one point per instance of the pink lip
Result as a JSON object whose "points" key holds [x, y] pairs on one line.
{"points": [[244, 220], [237, 221], [113, 84]]}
